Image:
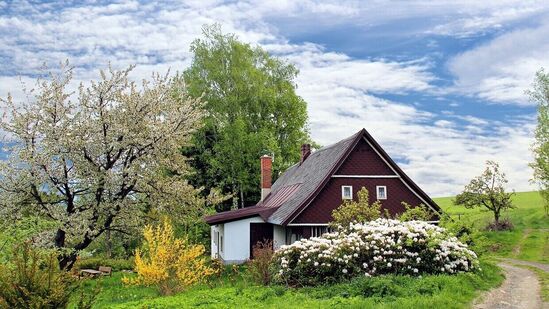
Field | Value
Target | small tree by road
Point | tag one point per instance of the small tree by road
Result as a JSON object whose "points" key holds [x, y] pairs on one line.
{"points": [[487, 190]]}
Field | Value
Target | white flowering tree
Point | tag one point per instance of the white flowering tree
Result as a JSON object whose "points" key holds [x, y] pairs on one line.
{"points": [[97, 160]]}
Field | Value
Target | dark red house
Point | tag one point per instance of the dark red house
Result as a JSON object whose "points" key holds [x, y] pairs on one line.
{"points": [[300, 203]]}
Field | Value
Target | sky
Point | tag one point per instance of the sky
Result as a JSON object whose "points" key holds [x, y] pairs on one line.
{"points": [[440, 85]]}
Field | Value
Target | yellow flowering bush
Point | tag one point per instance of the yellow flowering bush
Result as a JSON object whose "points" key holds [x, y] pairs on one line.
{"points": [[168, 262]]}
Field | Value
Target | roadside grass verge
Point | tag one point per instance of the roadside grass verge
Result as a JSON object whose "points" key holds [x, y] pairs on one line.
{"points": [[544, 281]]}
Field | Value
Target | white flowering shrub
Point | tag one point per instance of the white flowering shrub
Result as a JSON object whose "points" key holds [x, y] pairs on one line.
{"points": [[378, 247]]}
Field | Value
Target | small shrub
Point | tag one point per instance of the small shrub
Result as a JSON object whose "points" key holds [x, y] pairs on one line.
{"points": [[265, 295], [217, 267], [420, 212], [259, 266], [467, 233], [379, 247], [359, 211], [279, 290], [383, 287], [34, 280], [428, 287], [170, 263], [501, 225]]}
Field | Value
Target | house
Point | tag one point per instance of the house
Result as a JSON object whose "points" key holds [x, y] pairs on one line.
{"points": [[300, 203]]}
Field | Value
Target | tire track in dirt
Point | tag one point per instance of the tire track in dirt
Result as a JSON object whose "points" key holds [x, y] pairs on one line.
{"points": [[520, 290]]}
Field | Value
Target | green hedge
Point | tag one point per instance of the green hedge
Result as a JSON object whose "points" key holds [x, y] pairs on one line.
{"points": [[95, 262]]}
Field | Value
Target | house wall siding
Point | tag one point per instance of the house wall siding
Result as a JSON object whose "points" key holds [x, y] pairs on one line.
{"points": [[320, 210], [215, 250], [363, 160], [237, 240], [279, 236]]}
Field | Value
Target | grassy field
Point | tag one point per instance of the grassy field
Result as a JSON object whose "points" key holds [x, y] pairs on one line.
{"points": [[528, 241]]}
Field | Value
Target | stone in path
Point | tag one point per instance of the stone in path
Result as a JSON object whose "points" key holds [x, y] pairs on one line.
{"points": [[520, 290]]}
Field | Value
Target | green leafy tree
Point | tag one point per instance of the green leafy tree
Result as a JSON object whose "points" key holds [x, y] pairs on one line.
{"points": [[419, 212], [356, 211], [252, 110], [540, 95], [99, 160], [488, 191]]}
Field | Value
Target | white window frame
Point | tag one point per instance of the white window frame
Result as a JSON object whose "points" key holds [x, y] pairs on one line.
{"points": [[377, 192], [343, 197]]}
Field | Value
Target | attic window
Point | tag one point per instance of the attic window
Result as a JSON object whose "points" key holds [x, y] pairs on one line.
{"points": [[381, 192], [347, 192]]}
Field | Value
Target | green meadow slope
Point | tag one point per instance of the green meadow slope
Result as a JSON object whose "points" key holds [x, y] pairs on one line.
{"points": [[529, 240]]}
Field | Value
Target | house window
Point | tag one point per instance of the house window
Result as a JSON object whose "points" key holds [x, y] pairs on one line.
{"points": [[381, 192], [347, 192], [221, 243]]}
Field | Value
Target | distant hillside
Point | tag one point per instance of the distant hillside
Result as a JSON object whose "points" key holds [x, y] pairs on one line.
{"points": [[522, 200]]}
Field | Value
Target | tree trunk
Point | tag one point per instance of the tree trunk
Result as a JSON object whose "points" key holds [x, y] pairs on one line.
{"points": [[108, 243], [66, 260], [60, 239], [496, 217]]}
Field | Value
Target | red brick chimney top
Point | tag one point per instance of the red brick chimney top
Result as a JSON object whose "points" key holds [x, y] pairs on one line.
{"points": [[266, 171], [305, 152]]}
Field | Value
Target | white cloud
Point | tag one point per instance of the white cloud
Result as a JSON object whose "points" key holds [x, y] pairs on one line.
{"points": [[439, 155], [438, 151], [334, 69], [502, 69], [484, 16]]}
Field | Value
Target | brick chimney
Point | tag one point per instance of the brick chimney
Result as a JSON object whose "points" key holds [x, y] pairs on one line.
{"points": [[266, 175], [305, 152]]}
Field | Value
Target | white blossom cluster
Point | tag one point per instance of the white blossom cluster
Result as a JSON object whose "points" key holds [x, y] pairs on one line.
{"points": [[378, 247]]}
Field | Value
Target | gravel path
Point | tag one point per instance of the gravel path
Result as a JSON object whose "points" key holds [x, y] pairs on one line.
{"points": [[520, 290], [542, 266]]}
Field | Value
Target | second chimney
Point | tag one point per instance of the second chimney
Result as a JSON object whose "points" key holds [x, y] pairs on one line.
{"points": [[305, 152], [266, 175]]}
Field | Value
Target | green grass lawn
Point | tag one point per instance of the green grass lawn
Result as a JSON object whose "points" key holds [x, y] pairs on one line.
{"points": [[449, 291], [529, 240]]}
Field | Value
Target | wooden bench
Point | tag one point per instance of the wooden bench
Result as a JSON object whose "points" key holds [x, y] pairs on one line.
{"points": [[105, 270], [90, 272]]}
